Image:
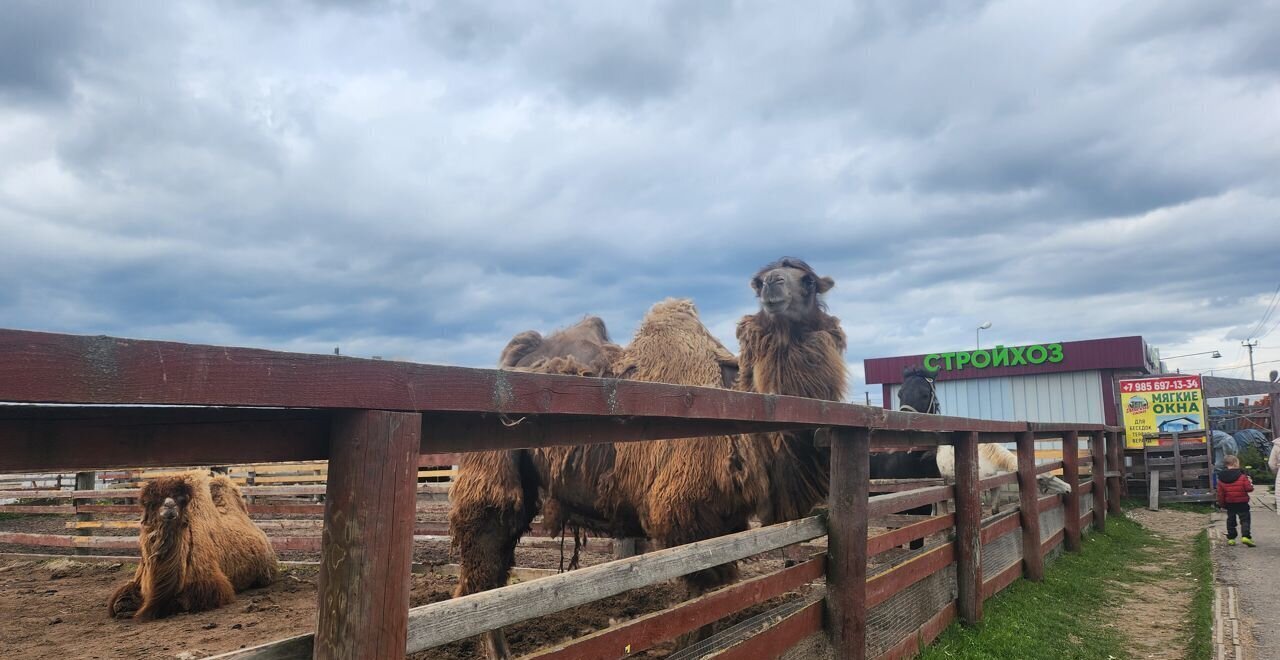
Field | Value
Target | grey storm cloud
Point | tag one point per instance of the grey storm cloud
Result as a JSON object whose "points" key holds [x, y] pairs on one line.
{"points": [[424, 180]]}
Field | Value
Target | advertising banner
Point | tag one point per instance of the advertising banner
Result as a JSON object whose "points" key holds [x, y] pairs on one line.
{"points": [[1166, 404]]}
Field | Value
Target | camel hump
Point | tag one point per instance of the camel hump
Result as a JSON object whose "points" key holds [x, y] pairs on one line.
{"points": [[226, 495]]}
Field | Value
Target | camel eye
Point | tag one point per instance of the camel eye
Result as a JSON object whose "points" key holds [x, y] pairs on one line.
{"points": [[808, 281]]}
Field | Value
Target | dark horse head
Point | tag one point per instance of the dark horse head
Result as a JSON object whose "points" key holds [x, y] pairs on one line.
{"points": [[918, 393]]}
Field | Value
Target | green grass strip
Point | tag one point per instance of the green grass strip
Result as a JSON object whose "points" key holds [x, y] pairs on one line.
{"points": [[1200, 646], [1062, 617]]}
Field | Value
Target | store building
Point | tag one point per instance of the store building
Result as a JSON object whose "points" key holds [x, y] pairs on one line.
{"points": [[1071, 381]]}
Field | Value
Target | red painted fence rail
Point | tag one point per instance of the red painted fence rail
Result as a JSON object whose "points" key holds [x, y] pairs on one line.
{"points": [[129, 403]]}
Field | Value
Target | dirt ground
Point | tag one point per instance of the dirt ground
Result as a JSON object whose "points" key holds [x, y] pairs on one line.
{"points": [[1154, 616], [57, 608]]}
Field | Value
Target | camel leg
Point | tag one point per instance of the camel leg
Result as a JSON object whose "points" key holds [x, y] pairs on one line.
{"points": [[126, 600], [486, 554]]}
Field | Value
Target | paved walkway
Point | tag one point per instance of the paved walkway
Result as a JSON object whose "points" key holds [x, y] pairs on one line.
{"points": [[1248, 583]]}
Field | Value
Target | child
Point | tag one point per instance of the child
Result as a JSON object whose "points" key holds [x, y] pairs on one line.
{"points": [[1234, 487]]}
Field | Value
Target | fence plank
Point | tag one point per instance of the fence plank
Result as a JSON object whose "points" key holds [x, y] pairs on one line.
{"points": [[1115, 471], [1071, 475], [368, 536], [883, 505], [881, 543], [890, 582], [460, 618], [847, 542], [646, 631], [1098, 446], [1029, 509], [773, 641], [968, 529]]}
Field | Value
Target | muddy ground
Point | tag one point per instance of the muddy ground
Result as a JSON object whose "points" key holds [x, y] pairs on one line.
{"points": [[56, 608]]}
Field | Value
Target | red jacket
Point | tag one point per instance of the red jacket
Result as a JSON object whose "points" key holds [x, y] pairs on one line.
{"points": [[1234, 487]]}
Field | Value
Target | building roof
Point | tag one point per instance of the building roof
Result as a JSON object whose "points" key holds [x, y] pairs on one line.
{"points": [[1128, 353]]}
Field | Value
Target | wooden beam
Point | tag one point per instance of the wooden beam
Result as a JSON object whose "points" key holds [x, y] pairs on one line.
{"points": [[1029, 509], [460, 618], [1051, 466], [998, 480], [40, 367], [773, 642], [847, 543], [1071, 475], [459, 432], [1115, 471], [968, 530], [926, 633], [884, 585], [1098, 447], [1003, 579], [883, 505], [368, 535], [882, 543], [651, 629], [1008, 522], [97, 438]]}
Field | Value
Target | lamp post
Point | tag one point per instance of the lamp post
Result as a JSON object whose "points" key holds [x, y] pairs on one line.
{"points": [[977, 334], [1215, 356], [1174, 357]]}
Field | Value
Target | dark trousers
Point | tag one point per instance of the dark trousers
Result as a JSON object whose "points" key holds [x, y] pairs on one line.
{"points": [[1241, 510]]}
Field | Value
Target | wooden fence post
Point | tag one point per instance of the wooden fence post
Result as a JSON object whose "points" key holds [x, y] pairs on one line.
{"points": [[1029, 507], [847, 542], [367, 548], [1098, 450], [968, 529], [1115, 458], [1071, 474], [84, 481]]}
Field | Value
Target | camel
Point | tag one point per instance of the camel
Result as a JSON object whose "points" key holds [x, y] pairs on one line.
{"points": [[670, 491], [198, 547]]}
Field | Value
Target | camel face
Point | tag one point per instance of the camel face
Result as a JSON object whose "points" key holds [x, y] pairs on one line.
{"points": [[789, 290], [165, 499]]}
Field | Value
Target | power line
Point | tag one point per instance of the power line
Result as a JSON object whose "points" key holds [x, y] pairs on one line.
{"points": [[1266, 316]]}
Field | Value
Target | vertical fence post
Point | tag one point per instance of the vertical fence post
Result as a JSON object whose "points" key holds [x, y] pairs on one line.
{"points": [[1071, 474], [968, 529], [84, 481], [1098, 451], [847, 542], [1029, 507], [1115, 458], [367, 548]]}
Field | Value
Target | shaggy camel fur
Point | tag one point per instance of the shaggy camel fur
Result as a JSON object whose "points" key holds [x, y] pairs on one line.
{"points": [[199, 548], [672, 491], [793, 347]]}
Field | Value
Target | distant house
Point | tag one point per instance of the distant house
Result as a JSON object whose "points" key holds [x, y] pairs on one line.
{"points": [[1179, 424]]}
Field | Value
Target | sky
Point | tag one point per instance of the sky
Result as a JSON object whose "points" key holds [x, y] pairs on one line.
{"points": [[422, 181]]}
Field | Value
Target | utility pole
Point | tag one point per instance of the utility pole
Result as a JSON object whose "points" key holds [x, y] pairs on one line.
{"points": [[1250, 345], [868, 393]]}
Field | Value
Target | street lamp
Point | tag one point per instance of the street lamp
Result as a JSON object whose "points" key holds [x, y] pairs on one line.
{"points": [[1174, 357], [977, 334]]}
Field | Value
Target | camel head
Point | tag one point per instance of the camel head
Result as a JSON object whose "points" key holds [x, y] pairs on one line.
{"points": [[789, 290], [582, 349], [917, 393], [165, 500]]}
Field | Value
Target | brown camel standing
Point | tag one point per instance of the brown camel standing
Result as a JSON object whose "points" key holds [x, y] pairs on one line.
{"points": [[671, 491]]}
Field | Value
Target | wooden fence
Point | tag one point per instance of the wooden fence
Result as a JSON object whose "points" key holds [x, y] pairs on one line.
{"points": [[372, 419]]}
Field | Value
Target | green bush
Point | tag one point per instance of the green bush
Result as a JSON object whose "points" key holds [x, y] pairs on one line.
{"points": [[1255, 465]]}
